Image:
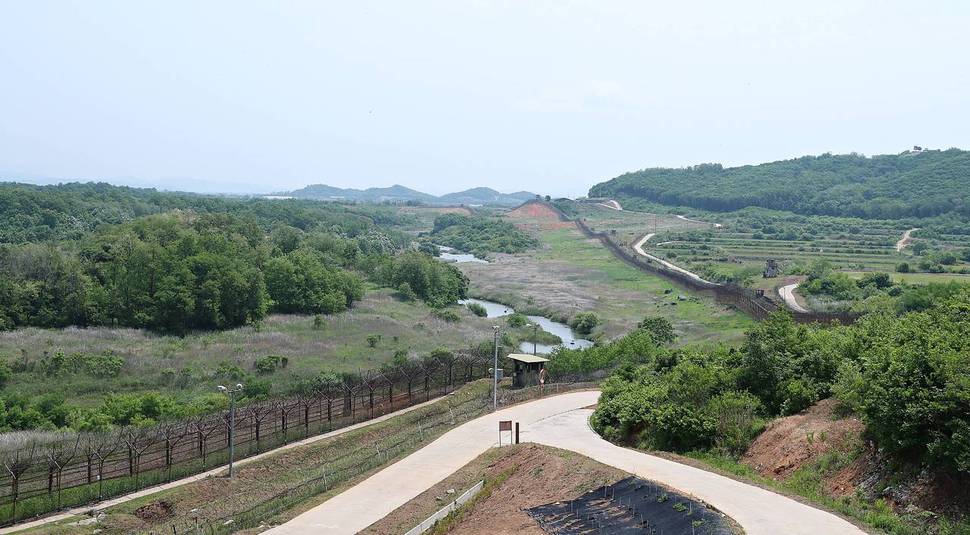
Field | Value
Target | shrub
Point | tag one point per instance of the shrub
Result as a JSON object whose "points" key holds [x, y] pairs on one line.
{"points": [[319, 323], [406, 293], [659, 328], [477, 309], [269, 364], [516, 320], [373, 340], [585, 322], [5, 372], [446, 314]]}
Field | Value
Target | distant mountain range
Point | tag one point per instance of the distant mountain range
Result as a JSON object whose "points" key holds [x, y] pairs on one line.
{"points": [[398, 193]]}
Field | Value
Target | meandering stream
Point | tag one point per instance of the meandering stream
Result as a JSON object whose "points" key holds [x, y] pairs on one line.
{"points": [[569, 337]]}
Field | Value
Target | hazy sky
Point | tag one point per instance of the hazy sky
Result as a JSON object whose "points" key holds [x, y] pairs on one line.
{"points": [[547, 96]]}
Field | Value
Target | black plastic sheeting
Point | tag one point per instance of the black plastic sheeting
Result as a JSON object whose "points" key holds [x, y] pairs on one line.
{"points": [[631, 506]]}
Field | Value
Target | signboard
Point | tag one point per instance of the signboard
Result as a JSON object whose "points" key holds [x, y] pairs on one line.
{"points": [[504, 425]]}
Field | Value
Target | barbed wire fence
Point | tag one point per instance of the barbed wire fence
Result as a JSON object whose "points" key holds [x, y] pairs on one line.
{"points": [[255, 506], [45, 472]]}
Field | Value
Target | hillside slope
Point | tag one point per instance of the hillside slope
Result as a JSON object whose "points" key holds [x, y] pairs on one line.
{"points": [[398, 193], [920, 183]]}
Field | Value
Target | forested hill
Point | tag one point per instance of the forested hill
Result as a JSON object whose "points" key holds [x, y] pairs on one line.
{"points": [[30, 213], [892, 186]]}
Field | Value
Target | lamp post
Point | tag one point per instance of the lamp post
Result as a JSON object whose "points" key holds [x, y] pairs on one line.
{"points": [[535, 335], [231, 392], [495, 330]]}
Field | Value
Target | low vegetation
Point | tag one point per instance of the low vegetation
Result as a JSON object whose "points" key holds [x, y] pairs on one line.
{"points": [[479, 235]]}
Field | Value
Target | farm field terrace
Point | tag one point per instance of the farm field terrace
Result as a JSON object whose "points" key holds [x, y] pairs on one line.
{"points": [[569, 274], [734, 246]]}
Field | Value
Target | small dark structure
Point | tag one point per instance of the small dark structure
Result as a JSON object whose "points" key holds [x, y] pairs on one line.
{"points": [[772, 269], [527, 369]]}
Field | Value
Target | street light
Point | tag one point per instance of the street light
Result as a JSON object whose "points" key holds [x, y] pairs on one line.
{"points": [[231, 392], [535, 335], [495, 331]]}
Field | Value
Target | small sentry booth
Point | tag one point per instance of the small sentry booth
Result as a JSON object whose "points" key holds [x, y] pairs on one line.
{"points": [[526, 368]]}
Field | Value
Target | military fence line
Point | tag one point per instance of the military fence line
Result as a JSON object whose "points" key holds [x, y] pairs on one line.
{"points": [[749, 301], [49, 472]]}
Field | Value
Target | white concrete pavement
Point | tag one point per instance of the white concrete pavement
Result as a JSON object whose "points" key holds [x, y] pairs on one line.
{"points": [[379, 495], [759, 511], [562, 422], [787, 293]]}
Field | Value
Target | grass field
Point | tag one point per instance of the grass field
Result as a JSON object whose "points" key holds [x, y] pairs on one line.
{"points": [[189, 365], [569, 274]]}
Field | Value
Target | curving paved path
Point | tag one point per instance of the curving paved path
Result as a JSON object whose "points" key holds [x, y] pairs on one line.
{"points": [[558, 421], [638, 247], [787, 293]]}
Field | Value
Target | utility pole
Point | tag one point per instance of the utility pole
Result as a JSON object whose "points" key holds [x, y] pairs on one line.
{"points": [[495, 370], [231, 392], [535, 335]]}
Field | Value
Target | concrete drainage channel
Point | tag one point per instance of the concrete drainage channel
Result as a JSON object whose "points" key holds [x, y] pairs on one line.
{"points": [[629, 506], [446, 510]]}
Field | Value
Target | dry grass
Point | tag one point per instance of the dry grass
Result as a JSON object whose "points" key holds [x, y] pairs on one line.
{"points": [[341, 345], [571, 274]]}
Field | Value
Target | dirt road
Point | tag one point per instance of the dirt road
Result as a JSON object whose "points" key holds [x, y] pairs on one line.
{"points": [[905, 240], [638, 247], [787, 292], [611, 204], [558, 421]]}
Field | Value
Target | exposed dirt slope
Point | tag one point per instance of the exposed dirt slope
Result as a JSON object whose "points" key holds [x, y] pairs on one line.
{"points": [[796, 441], [538, 215], [803, 440], [542, 475]]}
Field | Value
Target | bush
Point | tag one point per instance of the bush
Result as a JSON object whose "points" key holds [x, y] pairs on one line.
{"points": [[5, 372], [516, 320], [373, 340], [659, 328], [585, 322], [446, 314], [269, 364], [477, 309], [406, 293]]}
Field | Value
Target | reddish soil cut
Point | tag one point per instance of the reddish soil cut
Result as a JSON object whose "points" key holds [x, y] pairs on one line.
{"points": [[795, 441], [541, 475], [540, 215]]}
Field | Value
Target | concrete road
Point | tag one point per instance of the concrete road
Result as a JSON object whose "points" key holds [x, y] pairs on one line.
{"points": [[787, 293], [379, 495], [759, 511], [558, 421], [638, 247]]}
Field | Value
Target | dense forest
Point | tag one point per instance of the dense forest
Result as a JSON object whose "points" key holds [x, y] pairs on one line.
{"points": [[480, 235], [911, 184], [227, 264], [31, 213]]}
